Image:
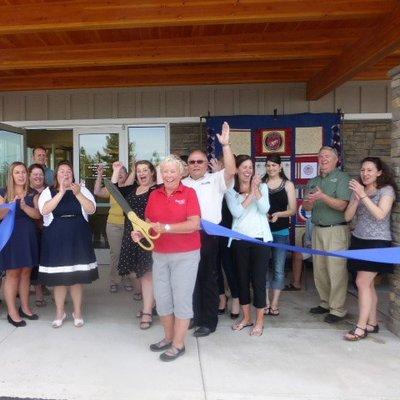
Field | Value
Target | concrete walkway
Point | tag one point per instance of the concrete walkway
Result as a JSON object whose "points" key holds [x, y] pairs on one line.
{"points": [[298, 357]]}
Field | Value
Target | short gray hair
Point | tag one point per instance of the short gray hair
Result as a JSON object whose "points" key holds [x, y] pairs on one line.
{"points": [[173, 159], [330, 148]]}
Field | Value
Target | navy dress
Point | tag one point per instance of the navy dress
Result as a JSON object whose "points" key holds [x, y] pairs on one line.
{"points": [[67, 254], [22, 249]]}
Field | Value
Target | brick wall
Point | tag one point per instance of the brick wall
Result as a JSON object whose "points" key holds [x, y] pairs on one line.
{"points": [[394, 304], [365, 138]]}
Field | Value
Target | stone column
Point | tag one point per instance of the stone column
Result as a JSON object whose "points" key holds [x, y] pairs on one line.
{"points": [[394, 303]]}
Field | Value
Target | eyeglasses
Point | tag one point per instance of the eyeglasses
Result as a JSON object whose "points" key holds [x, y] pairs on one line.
{"points": [[192, 162]]}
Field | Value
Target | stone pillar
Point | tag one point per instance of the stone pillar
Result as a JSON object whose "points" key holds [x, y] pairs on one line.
{"points": [[394, 303]]}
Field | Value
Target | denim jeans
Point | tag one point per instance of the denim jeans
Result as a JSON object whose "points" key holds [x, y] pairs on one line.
{"points": [[276, 277]]}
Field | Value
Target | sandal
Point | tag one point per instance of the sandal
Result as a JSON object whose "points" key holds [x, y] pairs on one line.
{"points": [[137, 296], [352, 336], [113, 288], [267, 310], [238, 327], [41, 303], [257, 331], [273, 312], [146, 324], [375, 328]]}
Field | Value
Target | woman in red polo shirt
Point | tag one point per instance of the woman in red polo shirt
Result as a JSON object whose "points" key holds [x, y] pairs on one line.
{"points": [[174, 212]]}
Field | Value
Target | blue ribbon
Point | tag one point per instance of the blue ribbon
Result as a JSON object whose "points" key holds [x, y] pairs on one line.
{"points": [[388, 255], [7, 224]]}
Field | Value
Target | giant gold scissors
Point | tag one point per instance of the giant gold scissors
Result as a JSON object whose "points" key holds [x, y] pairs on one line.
{"points": [[137, 224]]}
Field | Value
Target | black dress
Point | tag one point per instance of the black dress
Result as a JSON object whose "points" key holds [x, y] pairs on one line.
{"points": [[22, 249], [67, 254], [133, 258]]}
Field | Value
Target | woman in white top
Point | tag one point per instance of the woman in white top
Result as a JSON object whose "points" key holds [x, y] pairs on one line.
{"points": [[248, 203], [67, 254]]}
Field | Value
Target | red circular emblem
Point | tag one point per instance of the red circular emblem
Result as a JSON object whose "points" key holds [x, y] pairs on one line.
{"points": [[273, 141]]}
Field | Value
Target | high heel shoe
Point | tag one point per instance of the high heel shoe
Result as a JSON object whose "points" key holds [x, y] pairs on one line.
{"points": [[17, 324], [33, 317], [221, 311], [234, 315], [57, 323], [78, 322]]}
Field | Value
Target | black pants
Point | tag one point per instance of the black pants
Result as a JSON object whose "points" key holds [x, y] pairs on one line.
{"points": [[225, 262], [205, 296], [251, 262]]}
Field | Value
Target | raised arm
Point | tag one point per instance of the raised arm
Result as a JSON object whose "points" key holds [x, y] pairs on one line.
{"points": [[229, 159], [98, 189]]}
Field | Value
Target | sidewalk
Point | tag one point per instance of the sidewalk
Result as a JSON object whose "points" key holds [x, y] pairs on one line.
{"points": [[298, 357]]}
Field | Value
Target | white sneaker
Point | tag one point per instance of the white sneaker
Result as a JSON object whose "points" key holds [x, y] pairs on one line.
{"points": [[78, 322], [57, 323]]}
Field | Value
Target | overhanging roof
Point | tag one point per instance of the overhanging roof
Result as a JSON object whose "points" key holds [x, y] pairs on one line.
{"points": [[88, 44]]}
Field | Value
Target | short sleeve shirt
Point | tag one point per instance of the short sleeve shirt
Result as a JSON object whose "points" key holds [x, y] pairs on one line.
{"points": [[173, 209], [367, 226], [336, 185], [210, 190]]}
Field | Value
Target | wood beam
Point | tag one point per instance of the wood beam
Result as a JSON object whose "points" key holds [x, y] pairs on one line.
{"points": [[103, 14], [367, 51], [244, 47]]}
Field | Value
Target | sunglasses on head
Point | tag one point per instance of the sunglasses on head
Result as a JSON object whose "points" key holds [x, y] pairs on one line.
{"points": [[192, 162]]}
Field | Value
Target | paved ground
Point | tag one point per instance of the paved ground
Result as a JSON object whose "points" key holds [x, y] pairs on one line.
{"points": [[298, 357]]}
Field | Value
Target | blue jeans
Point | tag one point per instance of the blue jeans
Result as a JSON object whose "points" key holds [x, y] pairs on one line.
{"points": [[276, 277]]}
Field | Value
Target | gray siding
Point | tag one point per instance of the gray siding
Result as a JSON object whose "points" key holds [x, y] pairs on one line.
{"points": [[193, 101]]}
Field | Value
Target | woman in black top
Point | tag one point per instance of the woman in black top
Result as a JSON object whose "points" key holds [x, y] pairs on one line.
{"points": [[282, 199]]}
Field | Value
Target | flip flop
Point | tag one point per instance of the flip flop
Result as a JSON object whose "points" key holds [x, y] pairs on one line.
{"points": [[41, 303], [240, 326], [257, 331]]}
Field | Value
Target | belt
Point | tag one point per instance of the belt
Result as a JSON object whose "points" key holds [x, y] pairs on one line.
{"points": [[68, 216], [330, 226]]}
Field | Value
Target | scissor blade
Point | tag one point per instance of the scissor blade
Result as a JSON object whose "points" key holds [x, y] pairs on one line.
{"points": [[114, 192]]}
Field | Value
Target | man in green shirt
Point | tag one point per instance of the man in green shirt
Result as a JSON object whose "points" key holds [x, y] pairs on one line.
{"points": [[327, 197]]}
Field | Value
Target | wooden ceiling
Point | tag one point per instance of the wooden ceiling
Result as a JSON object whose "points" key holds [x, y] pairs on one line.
{"points": [[47, 44]]}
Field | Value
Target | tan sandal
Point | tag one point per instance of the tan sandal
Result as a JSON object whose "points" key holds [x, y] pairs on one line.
{"points": [[354, 337], [257, 331]]}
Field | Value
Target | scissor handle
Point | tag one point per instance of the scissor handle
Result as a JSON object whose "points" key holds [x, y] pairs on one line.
{"points": [[145, 229]]}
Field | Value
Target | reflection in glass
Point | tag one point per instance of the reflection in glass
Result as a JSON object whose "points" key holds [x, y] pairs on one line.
{"points": [[10, 151], [147, 143], [93, 150]]}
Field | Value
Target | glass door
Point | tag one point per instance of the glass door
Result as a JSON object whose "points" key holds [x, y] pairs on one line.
{"points": [[11, 149]]}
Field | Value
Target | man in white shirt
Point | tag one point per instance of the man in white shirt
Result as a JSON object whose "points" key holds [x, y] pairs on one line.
{"points": [[210, 189]]}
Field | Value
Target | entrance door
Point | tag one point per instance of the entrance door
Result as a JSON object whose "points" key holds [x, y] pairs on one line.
{"points": [[12, 148]]}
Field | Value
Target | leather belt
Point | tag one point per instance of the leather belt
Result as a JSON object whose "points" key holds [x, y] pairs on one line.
{"points": [[330, 226]]}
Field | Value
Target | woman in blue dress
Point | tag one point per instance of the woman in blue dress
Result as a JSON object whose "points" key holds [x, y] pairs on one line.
{"points": [[67, 255], [21, 253]]}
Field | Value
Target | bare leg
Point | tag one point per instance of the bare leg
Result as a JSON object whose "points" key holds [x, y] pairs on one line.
{"points": [[148, 299], [297, 269], [235, 306], [222, 301], [23, 289], [11, 283], [60, 293], [365, 300], [76, 294], [275, 300], [246, 320], [39, 294], [373, 317], [180, 329], [168, 322]]}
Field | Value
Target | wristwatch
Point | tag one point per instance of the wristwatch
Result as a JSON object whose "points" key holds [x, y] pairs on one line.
{"points": [[167, 227]]}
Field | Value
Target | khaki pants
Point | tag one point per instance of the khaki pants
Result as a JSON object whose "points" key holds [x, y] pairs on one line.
{"points": [[330, 273], [114, 236]]}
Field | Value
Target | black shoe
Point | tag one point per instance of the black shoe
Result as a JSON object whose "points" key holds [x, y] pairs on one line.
{"points": [[331, 319], [15, 323], [221, 311], [234, 316], [202, 331], [319, 310], [291, 288], [33, 317], [174, 354], [160, 346]]}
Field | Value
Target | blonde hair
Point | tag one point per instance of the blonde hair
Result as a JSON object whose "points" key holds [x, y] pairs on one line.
{"points": [[10, 194], [173, 159]]}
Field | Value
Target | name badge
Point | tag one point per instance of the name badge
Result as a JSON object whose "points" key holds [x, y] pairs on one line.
{"points": [[181, 202]]}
